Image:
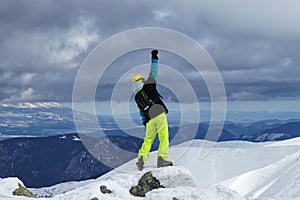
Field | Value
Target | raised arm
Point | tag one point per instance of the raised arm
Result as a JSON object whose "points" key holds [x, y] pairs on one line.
{"points": [[154, 65]]}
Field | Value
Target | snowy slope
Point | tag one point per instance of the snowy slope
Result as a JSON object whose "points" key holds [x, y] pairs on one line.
{"points": [[233, 170], [278, 180], [178, 181], [254, 170], [8, 185]]}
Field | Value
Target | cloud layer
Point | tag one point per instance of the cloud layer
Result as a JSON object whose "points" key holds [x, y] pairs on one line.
{"points": [[254, 44]]}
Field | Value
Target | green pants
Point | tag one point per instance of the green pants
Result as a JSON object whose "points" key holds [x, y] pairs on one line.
{"points": [[158, 125]]}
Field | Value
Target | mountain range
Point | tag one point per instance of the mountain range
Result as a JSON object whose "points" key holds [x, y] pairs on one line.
{"points": [[50, 119], [45, 161], [41, 147]]}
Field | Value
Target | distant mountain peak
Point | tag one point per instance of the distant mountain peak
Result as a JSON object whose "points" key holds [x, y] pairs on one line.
{"points": [[32, 105]]}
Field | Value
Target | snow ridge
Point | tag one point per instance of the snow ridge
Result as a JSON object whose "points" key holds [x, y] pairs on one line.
{"points": [[32, 105]]}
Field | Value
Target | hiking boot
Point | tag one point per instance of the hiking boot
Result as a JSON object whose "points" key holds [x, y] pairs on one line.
{"points": [[163, 163], [140, 163]]}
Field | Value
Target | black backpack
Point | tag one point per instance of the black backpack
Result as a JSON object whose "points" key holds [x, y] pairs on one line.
{"points": [[143, 101]]}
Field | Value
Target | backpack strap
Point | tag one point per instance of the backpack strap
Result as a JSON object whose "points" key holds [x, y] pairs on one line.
{"points": [[143, 101]]}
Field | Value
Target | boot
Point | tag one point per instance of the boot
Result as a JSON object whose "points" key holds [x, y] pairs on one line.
{"points": [[140, 163], [163, 163]]}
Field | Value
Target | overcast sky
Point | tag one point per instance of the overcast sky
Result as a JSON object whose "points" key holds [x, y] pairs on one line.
{"points": [[255, 44]]}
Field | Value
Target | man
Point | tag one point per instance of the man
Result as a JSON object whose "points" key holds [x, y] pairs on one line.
{"points": [[153, 113]]}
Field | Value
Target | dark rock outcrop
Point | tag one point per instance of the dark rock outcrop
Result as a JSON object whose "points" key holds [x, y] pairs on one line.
{"points": [[22, 191], [146, 183], [104, 190]]}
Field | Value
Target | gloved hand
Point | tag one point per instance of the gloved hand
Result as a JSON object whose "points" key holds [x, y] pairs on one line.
{"points": [[144, 122], [154, 54]]}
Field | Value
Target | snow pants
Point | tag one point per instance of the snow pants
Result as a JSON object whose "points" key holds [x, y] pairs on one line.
{"points": [[158, 125]]}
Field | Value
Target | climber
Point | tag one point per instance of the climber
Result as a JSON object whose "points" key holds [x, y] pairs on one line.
{"points": [[153, 113]]}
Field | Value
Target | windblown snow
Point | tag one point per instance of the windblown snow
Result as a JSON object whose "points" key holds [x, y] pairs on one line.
{"points": [[232, 170]]}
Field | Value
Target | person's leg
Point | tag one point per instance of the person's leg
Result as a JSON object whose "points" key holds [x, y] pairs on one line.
{"points": [[163, 136], [148, 140]]}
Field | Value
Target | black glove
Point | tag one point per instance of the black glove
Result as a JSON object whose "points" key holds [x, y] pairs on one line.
{"points": [[145, 123], [154, 54]]}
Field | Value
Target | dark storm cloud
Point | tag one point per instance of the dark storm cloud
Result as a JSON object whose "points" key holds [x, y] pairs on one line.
{"points": [[264, 90], [254, 44], [44, 42]]}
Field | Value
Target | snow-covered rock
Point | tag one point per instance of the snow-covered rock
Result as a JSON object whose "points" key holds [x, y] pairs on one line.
{"points": [[178, 182], [8, 185]]}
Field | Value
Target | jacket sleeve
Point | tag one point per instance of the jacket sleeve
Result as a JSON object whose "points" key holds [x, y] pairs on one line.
{"points": [[154, 69], [142, 116], [145, 118]]}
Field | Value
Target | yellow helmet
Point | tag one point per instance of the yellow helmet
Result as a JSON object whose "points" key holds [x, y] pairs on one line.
{"points": [[137, 78]]}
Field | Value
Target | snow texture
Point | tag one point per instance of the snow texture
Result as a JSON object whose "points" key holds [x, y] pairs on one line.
{"points": [[232, 171], [8, 185]]}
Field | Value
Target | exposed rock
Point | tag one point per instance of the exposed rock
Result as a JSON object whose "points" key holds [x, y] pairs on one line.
{"points": [[22, 191], [146, 183], [95, 198], [104, 190]]}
